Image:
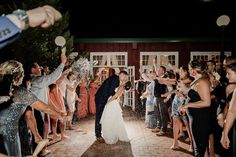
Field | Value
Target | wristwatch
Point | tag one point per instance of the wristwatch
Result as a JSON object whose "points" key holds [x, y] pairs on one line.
{"points": [[22, 16]]}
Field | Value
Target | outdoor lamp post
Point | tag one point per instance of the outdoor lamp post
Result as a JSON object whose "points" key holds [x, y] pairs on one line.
{"points": [[222, 21]]}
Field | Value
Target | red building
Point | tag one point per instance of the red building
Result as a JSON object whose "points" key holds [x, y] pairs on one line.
{"points": [[133, 53]]}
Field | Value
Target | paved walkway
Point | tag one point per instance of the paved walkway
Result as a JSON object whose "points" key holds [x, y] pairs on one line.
{"points": [[143, 143]]}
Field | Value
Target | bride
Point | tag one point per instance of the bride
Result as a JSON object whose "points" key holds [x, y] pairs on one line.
{"points": [[113, 127]]}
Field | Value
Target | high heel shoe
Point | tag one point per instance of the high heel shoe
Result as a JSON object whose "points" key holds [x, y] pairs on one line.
{"points": [[40, 146]]}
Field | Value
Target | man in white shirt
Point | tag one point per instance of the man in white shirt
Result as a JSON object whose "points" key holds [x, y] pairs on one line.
{"points": [[39, 87]]}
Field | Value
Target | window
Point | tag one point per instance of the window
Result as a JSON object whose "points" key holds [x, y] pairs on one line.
{"points": [[117, 60], [103, 60], [163, 59], [210, 55], [111, 59]]}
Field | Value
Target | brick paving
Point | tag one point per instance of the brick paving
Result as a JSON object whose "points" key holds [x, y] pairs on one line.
{"points": [[143, 142]]}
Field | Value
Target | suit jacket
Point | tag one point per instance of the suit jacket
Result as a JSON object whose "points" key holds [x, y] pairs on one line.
{"points": [[106, 90], [8, 31]]}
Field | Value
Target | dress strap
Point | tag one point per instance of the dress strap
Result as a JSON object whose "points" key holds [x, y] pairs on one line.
{"points": [[194, 82]]}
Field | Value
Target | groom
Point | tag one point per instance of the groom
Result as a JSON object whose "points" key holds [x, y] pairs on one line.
{"points": [[106, 90]]}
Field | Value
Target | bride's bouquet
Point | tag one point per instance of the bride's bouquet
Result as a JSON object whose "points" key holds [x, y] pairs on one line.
{"points": [[81, 67]]}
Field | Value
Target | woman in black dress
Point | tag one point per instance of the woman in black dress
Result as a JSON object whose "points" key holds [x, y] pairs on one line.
{"points": [[231, 114], [197, 106]]}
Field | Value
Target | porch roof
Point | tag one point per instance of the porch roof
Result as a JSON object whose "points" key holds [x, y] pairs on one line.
{"points": [[151, 40]]}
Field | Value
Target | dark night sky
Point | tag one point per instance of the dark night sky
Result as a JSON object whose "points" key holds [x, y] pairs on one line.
{"points": [[187, 18]]}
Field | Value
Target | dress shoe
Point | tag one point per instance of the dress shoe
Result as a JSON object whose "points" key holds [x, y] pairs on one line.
{"points": [[71, 128], [156, 130], [100, 139], [161, 133]]}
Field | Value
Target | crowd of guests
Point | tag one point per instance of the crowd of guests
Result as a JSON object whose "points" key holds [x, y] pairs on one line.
{"points": [[33, 100], [199, 96], [196, 96]]}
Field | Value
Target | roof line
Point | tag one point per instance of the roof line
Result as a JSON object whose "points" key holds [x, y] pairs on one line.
{"points": [[149, 40]]}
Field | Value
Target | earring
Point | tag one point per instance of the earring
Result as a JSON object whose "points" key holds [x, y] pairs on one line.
{"points": [[194, 73]]}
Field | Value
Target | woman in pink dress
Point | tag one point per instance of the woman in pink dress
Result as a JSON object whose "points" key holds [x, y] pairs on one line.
{"points": [[93, 87], [83, 107], [56, 101]]}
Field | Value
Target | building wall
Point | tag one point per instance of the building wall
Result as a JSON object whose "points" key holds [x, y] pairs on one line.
{"points": [[134, 49]]}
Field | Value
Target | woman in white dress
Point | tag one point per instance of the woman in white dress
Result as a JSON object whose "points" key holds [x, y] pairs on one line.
{"points": [[113, 128]]}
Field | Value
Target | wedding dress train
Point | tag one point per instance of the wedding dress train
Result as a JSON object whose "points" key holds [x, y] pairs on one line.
{"points": [[113, 128]]}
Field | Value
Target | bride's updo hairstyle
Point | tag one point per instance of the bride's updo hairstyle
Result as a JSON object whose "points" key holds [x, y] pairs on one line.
{"points": [[127, 85]]}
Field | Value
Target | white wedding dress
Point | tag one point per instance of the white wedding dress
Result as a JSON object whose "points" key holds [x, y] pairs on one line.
{"points": [[113, 128]]}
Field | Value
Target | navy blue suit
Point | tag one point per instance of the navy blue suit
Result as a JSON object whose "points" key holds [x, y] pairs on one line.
{"points": [[106, 90], [8, 31]]}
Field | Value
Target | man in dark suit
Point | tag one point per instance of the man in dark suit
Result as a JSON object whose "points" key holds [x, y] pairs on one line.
{"points": [[106, 90]]}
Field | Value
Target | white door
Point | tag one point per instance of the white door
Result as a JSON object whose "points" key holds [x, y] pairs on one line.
{"points": [[129, 97]]}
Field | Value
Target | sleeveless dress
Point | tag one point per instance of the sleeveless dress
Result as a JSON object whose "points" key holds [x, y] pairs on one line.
{"points": [[70, 97], [92, 91], [56, 99], [199, 120], [83, 107], [113, 128]]}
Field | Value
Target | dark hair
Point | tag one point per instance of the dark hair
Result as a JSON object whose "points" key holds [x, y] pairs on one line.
{"points": [[123, 72], [200, 66], [33, 65], [170, 74], [163, 68], [232, 67], [112, 71], [127, 85], [70, 74], [185, 68], [25, 79], [230, 60], [212, 61], [52, 87], [28, 67], [67, 67]]}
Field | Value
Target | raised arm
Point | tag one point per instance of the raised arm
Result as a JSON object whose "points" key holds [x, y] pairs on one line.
{"points": [[51, 78]]}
